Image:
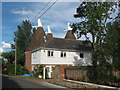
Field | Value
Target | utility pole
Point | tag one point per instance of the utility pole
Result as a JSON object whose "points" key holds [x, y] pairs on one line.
{"points": [[15, 55]]}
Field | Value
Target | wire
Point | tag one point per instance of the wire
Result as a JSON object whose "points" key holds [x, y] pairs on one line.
{"points": [[46, 10], [40, 11]]}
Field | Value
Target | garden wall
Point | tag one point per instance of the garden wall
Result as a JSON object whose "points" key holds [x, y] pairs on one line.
{"points": [[86, 74]]}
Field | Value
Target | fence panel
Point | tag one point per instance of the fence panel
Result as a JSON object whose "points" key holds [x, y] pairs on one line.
{"points": [[87, 74]]}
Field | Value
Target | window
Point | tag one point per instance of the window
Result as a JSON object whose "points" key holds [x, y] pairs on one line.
{"points": [[81, 55], [50, 53], [63, 54]]}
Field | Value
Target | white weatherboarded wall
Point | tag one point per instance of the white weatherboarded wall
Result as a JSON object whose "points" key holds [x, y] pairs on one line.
{"points": [[36, 57], [72, 58]]}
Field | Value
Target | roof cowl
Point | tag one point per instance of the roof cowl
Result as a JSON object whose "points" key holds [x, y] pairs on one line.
{"points": [[49, 30], [39, 23], [69, 27]]}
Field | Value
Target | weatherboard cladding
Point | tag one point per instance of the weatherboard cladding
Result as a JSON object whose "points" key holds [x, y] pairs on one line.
{"points": [[59, 43]]}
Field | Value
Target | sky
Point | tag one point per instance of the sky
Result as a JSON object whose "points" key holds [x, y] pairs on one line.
{"points": [[57, 17]]}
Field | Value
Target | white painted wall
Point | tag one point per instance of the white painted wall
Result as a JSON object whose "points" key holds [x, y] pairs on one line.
{"points": [[72, 58], [36, 57]]}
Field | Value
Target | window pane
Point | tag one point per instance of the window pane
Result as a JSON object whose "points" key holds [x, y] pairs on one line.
{"points": [[49, 53], [81, 55], [61, 54], [64, 54]]}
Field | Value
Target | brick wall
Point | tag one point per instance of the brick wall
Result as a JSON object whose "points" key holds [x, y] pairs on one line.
{"points": [[59, 72], [28, 60]]}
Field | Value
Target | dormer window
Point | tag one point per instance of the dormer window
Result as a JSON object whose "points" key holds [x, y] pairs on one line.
{"points": [[50, 53]]}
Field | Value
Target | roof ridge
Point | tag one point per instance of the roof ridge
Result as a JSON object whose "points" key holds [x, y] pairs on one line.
{"points": [[68, 39]]}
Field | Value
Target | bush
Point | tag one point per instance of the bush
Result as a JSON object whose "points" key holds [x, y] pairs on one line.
{"points": [[21, 70], [10, 69], [39, 71]]}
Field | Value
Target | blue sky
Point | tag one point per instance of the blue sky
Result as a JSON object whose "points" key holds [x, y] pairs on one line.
{"points": [[57, 17]]}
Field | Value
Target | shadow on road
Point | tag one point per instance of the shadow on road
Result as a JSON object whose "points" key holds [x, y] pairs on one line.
{"points": [[8, 83]]}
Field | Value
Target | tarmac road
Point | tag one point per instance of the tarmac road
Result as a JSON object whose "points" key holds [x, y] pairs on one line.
{"points": [[18, 83]]}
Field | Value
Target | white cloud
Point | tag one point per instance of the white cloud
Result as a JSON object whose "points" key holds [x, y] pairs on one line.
{"points": [[6, 45], [1, 49], [23, 12]]}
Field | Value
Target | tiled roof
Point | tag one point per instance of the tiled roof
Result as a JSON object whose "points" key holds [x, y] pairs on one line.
{"points": [[70, 35], [58, 43], [38, 39], [68, 43]]}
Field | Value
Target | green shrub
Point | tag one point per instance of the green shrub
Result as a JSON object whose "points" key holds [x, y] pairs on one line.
{"points": [[39, 71], [10, 69], [21, 70]]}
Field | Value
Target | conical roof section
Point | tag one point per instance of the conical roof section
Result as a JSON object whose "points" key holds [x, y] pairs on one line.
{"points": [[70, 34], [49, 35], [38, 40]]}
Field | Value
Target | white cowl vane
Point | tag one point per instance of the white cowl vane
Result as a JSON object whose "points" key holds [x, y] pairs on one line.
{"points": [[69, 27], [39, 23], [49, 30]]}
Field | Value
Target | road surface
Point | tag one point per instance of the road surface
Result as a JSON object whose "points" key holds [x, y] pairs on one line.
{"points": [[18, 83]]}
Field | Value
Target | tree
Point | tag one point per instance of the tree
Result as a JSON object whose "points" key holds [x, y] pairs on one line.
{"points": [[23, 35], [94, 17], [112, 40], [22, 39], [9, 56]]}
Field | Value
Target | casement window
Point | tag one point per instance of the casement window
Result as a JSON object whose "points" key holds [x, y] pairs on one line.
{"points": [[81, 55], [50, 53], [63, 54]]}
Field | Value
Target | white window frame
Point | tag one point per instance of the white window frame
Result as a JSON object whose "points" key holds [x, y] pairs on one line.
{"points": [[50, 53]]}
